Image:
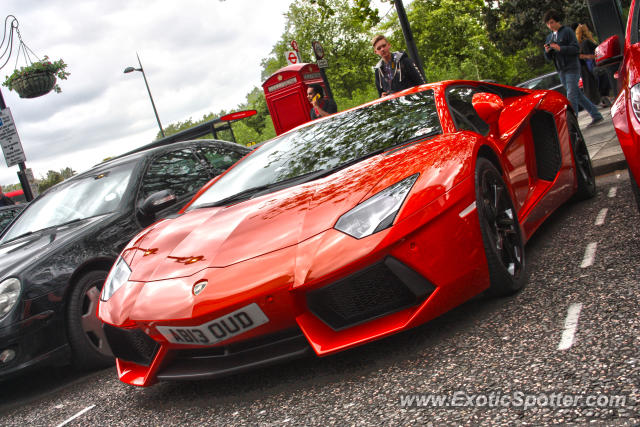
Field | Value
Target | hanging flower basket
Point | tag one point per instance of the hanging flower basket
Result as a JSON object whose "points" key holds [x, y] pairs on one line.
{"points": [[37, 79], [34, 84]]}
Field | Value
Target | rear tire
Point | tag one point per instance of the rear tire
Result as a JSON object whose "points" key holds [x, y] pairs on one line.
{"points": [[500, 229], [584, 170], [89, 346]]}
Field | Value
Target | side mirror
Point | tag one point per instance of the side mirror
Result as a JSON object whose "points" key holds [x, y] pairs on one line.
{"points": [[157, 202], [488, 106]]}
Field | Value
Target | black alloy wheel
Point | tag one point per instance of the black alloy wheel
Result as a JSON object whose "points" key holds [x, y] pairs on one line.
{"points": [[584, 170], [500, 229], [89, 345]]}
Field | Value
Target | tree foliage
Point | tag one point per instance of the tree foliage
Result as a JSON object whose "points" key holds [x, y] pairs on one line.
{"points": [[54, 178]]}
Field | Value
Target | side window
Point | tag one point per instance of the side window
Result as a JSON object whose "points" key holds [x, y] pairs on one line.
{"points": [[218, 158], [464, 115], [179, 171]]}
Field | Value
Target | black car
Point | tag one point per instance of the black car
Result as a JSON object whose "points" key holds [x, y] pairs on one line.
{"points": [[7, 213], [56, 255]]}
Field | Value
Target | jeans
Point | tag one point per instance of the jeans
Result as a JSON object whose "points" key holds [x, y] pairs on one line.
{"points": [[575, 95]]}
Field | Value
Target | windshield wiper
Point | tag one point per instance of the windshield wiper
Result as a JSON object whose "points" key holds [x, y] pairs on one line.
{"points": [[28, 233]]}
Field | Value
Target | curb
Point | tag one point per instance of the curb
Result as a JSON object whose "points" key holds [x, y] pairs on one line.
{"points": [[609, 164]]}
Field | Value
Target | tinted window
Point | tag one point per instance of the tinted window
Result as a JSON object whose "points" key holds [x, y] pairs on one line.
{"points": [[464, 115], [326, 144], [179, 171], [219, 158]]}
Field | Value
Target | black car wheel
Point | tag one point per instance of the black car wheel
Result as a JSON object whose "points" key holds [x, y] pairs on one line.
{"points": [[86, 336], [584, 171], [501, 235], [635, 189]]}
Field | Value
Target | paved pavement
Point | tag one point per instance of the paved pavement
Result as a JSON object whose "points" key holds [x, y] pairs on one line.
{"points": [[602, 143]]}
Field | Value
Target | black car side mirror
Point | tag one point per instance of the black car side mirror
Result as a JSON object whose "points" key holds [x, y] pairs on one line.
{"points": [[157, 202]]}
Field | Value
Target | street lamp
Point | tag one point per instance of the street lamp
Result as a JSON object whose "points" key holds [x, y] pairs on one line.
{"points": [[131, 69]]}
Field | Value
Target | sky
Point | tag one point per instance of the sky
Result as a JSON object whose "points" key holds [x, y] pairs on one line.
{"points": [[199, 56]]}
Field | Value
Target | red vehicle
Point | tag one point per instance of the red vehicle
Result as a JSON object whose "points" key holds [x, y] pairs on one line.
{"points": [[625, 111], [346, 230]]}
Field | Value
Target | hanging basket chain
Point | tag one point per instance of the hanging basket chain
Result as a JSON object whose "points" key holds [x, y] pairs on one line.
{"points": [[22, 47], [9, 46]]}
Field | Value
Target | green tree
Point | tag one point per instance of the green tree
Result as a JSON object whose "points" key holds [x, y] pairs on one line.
{"points": [[54, 178]]}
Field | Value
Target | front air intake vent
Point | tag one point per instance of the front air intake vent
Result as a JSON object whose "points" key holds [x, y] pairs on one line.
{"points": [[375, 291], [131, 345]]}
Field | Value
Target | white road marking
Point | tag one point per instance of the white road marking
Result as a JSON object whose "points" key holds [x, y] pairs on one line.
{"points": [[468, 210], [589, 255], [612, 191], [76, 415], [601, 216], [570, 326]]}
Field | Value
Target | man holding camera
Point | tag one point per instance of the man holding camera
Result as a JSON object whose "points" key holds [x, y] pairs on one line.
{"points": [[561, 47]]}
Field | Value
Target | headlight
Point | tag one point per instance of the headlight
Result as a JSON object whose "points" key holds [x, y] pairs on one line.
{"points": [[9, 293], [377, 212], [116, 278], [635, 100]]}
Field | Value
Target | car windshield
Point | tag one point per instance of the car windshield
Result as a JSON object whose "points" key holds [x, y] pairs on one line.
{"points": [[329, 144], [75, 199]]}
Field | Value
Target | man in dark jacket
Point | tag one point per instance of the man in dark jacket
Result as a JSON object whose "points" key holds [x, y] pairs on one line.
{"points": [[395, 71], [561, 47]]}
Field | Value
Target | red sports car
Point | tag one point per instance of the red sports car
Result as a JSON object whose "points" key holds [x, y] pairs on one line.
{"points": [[345, 230], [626, 109]]}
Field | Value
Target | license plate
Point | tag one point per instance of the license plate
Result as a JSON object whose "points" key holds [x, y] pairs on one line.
{"points": [[220, 329]]}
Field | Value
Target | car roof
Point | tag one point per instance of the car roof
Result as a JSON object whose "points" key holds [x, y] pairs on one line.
{"points": [[145, 152]]}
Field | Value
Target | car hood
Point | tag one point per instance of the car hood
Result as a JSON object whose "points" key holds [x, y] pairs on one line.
{"points": [[221, 236], [16, 255]]}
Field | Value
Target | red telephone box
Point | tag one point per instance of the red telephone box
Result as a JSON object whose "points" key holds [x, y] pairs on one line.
{"points": [[286, 95]]}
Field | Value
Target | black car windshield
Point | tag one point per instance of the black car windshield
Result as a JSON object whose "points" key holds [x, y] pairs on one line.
{"points": [[328, 144], [75, 199]]}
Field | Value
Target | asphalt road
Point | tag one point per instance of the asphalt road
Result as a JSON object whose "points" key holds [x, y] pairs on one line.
{"points": [[564, 350]]}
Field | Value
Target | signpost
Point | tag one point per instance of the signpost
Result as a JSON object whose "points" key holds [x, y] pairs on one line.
{"points": [[11, 146], [318, 51], [292, 57]]}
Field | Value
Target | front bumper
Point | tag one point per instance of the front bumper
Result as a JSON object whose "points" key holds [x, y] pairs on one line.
{"points": [[38, 340]]}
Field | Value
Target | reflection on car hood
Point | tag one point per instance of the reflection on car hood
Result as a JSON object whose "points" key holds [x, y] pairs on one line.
{"points": [[221, 236], [16, 254]]}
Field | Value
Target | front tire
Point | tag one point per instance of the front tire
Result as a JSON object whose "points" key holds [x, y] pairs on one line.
{"points": [[500, 229], [584, 170], [89, 346]]}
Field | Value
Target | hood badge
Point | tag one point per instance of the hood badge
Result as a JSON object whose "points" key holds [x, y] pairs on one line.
{"points": [[199, 287]]}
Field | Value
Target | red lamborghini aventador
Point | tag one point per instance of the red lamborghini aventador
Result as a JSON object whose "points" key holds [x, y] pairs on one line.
{"points": [[346, 230]]}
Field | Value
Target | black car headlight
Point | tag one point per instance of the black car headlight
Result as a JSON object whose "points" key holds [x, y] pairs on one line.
{"points": [[9, 294], [118, 276], [377, 212]]}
